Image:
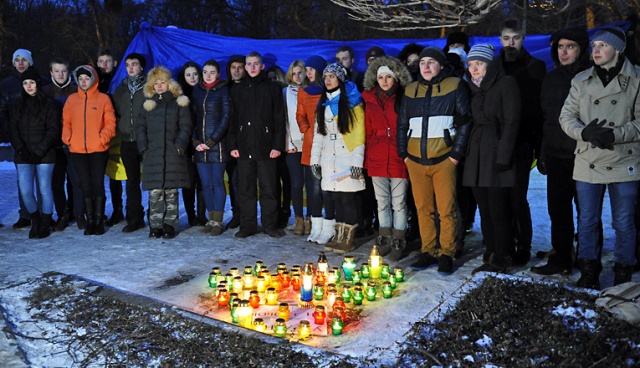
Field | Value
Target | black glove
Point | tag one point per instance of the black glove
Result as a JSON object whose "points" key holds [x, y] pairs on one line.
{"points": [[356, 173], [542, 166], [592, 130], [604, 140], [24, 154], [502, 167], [316, 170]]}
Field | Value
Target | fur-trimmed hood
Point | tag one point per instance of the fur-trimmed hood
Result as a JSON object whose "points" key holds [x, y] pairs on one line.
{"points": [[403, 76], [157, 73]]}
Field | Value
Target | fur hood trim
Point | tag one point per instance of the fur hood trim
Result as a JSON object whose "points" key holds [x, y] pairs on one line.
{"points": [[157, 73], [371, 75]]}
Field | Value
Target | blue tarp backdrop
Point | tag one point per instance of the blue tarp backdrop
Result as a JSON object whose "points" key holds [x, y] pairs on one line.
{"points": [[172, 47]]}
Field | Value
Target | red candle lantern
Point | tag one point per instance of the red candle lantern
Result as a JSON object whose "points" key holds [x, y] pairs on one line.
{"points": [[254, 299], [223, 298], [319, 315]]}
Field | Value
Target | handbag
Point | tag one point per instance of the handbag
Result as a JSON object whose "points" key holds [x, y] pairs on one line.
{"points": [[622, 301]]}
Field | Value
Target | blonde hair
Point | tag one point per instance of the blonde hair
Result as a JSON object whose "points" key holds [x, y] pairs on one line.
{"points": [[289, 75]]}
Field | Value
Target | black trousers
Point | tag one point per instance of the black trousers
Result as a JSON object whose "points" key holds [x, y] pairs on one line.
{"points": [[265, 173], [91, 168], [523, 229], [561, 194], [345, 206], [495, 219], [132, 160]]}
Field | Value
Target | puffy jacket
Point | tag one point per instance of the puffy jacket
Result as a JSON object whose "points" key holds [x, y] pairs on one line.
{"points": [[496, 118], [257, 118], [10, 92], [38, 135], [88, 119], [619, 104], [127, 109], [212, 109], [306, 118], [434, 119], [164, 132], [294, 136]]}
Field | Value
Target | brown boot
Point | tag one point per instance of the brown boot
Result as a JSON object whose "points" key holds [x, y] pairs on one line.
{"points": [[209, 224], [307, 225], [383, 241], [398, 245], [217, 226], [299, 227], [346, 243], [337, 236]]}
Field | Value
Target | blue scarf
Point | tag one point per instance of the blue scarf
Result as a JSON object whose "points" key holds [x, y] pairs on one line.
{"points": [[353, 95]]}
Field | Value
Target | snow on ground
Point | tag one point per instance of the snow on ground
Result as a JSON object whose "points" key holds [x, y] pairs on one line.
{"points": [[137, 264]]}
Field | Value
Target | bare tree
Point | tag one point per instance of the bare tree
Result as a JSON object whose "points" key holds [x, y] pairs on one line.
{"points": [[402, 15]]}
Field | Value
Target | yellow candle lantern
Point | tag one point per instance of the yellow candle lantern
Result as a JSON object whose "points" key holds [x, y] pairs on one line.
{"points": [[276, 283], [375, 262], [332, 278], [283, 311], [304, 330], [237, 284], [248, 280], [245, 314], [261, 284], [296, 268], [272, 296], [259, 325], [234, 271]]}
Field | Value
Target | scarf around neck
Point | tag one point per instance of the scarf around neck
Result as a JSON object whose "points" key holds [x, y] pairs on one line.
{"points": [[353, 95], [135, 83]]}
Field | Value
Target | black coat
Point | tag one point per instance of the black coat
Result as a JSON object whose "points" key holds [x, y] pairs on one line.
{"points": [[495, 107], [258, 120], [127, 109], [39, 135], [163, 134], [213, 111]]}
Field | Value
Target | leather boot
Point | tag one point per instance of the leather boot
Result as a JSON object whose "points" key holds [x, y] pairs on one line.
{"points": [[98, 207], [209, 224], [218, 226], [398, 245], [35, 225], [622, 273], [383, 241], [201, 209], [45, 226], [116, 217], [338, 231], [346, 242], [299, 226], [589, 274], [91, 220]]}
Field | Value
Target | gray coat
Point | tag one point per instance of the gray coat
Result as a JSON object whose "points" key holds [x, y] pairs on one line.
{"points": [[618, 103]]}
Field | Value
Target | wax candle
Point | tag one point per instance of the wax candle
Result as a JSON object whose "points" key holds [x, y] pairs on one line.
{"points": [[399, 274], [366, 271], [259, 325], [375, 262], [319, 315], [283, 311], [254, 299], [304, 330], [337, 325], [384, 273], [348, 265], [272, 296], [280, 327], [386, 289], [358, 295]]}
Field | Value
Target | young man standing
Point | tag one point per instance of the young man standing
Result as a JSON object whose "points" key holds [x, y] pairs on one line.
{"points": [[528, 72], [128, 99], [256, 139], [345, 56]]}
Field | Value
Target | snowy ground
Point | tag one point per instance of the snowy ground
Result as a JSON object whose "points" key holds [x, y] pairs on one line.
{"points": [[137, 264]]}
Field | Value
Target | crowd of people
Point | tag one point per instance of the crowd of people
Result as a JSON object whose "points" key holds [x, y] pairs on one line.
{"points": [[417, 141]]}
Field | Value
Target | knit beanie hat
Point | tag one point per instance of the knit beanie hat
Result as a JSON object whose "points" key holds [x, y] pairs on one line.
{"points": [[613, 36], [435, 53], [236, 58], [139, 57], [337, 69], [83, 71], [375, 51], [32, 74], [482, 52], [23, 53], [316, 62]]}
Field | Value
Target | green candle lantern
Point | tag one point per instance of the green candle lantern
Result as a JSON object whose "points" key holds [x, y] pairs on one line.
{"points": [[399, 274], [257, 267], [234, 310], [280, 328], [366, 271], [213, 280], [358, 295], [387, 289], [357, 275], [338, 274], [392, 282], [384, 273], [336, 325], [318, 292], [346, 293], [348, 265], [371, 291]]}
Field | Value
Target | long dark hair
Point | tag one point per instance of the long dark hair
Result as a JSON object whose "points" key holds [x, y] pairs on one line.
{"points": [[36, 103], [345, 115], [186, 88]]}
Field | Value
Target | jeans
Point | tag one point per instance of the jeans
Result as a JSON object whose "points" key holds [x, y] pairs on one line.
{"points": [[43, 173], [623, 202], [296, 175], [314, 193], [391, 194], [212, 177]]}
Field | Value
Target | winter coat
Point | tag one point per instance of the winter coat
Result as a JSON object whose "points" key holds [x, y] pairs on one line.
{"points": [[381, 119], [88, 119], [495, 106], [163, 133], [529, 73], [434, 119], [331, 153], [306, 118], [618, 103], [128, 109], [10, 92], [38, 135], [60, 94], [213, 111], [294, 136], [257, 118]]}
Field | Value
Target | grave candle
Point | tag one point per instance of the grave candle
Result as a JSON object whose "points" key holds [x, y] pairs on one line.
{"points": [[237, 284], [375, 262], [357, 275], [331, 277], [331, 296], [296, 282], [261, 284], [272, 296], [338, 274], [337, 325], [340, 311], [228, 278], [392, 281], [318, 292], [234, 271], [254, 299], [234, 310], [304, 330], [386, 290], [346, 293], [366, 271], [248, 280], [371, 291], [276, 282], [358, 295], [384, 273], [283, 311], [319, 315], [223, 298], [280, 328], [281, 268], [257, 268], [296, 268], [259, 325], [399, 274], [245, 314], [285, 279], [306, 289], [339, 303], [348, 265]]}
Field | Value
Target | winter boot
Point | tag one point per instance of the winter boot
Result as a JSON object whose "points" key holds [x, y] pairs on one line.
{"points": [[45, 226], [35, 225], [209, 224], [307, 226], [90, 228], [398, 245], [346, 240], [217, 226], [622, 273], [316, 229], [63, 222], [283, 217], [383, 241], [116, 217], [299, 226], [522, 255], [99, 215], [326, 231], [201, 209], [589, 274], [338, 233]]}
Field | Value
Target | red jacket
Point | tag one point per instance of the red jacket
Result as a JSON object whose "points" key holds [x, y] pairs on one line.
{"points": [[381, 154], [306, 117]]}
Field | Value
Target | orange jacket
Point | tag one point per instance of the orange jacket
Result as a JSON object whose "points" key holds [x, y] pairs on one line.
{"points": [[88, 119], [306, 117]]}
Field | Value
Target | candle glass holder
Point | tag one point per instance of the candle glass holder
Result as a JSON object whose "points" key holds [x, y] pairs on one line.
{"points": [[386, 290], [348, 265], [357, 275], [272, 296], [318, 292], [399, 274], [283, 311], [358, 295], [366, 271], [336, 325], [384, 273], [280, 328], [346, 293], [254, 299], [304, 330], [258, 325], [319, 315]]}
